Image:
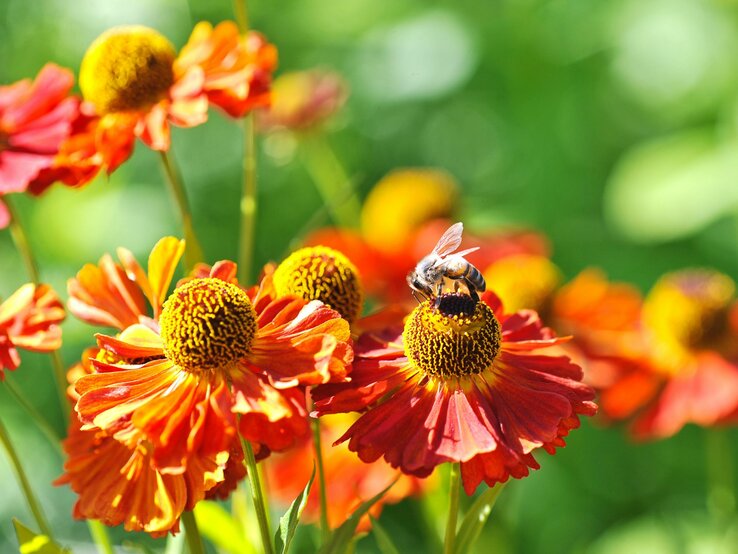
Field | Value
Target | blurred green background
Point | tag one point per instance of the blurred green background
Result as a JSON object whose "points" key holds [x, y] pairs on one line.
{"points": [[609, 125]]}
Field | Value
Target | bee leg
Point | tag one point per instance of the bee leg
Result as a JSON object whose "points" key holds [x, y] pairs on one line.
{"points": [[415, 295], [472, 291]]}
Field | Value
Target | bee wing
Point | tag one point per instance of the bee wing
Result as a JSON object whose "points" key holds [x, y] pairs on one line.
{"points": [[467, 251], [450, 240]]}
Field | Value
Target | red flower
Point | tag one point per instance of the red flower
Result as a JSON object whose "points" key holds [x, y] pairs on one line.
{"points": [[35, 118], [29, 319], [463, 382]]}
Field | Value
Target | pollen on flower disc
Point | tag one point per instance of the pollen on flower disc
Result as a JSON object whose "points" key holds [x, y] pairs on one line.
{"points": [[127, 68], [322, 273], [207, 324], [452, 336]]}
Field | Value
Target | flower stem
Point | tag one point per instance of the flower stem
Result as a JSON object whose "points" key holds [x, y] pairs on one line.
{"points": [[720, 480], [193, 252], [100, 536], [20, 475], [22, 244], [453, 508], [20, 238], [248, 202], [334, 186], [192, 533], [242, 15], [325, 529], [257, 495], [36, 416]]}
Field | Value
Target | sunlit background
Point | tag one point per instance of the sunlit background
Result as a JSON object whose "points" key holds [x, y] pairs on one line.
{"points": [[611, 126]]}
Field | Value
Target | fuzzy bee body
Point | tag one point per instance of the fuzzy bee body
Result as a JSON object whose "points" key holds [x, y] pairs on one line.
{"points": [[444, 263]]}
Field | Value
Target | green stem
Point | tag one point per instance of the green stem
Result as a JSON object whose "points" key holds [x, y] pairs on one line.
{"points": [[192, 533], [325, 528], [242, 15], [331, 180], [453, 508], [20, 475], [100, 536], [20, 238], [23, 245], [193, 252], [248, 202], [257, 495], [720, 479], [40, 421]]}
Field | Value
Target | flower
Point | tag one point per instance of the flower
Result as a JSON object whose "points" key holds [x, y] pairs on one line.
{"points": [[118, 484], [321, 273], [523, 281], [685, 369], [462, 382], [351, 481], [234, 71], [212, 353], [138, 86], [29, 319], [35, 118], [303, 99]]}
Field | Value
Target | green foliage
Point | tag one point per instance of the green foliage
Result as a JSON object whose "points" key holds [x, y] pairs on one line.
{"points": [[221, 528], [291, 518], [32, 543]]}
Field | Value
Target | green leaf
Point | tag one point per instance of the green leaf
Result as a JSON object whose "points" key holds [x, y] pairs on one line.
{"points": [[32, 543], [220, 528], [475, 518], [341, 539], [288, 522], [384, 542]]}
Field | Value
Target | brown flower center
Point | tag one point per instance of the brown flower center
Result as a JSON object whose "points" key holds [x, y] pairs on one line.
{"points": [[452, 336], [207, 324], [321, 273]]}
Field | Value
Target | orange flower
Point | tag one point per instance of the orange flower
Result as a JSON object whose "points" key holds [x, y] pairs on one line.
{"points": [[212, 351], [35, 118], [463, 382], [138, 86], [350, 482], [118, 484], [29, 319], [303, 99]]}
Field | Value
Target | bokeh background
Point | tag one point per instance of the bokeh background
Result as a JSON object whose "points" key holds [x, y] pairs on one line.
{"points": [[611, 126]]}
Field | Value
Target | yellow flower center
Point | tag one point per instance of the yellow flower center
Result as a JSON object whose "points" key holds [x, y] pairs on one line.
{"points": [[689, 308], [207, 324], [523, 281], [127, 68], [402, 202], [322, 273], [452, 336]]}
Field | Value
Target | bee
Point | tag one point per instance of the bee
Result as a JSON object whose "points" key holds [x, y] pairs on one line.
{"points": [[429, 276]]}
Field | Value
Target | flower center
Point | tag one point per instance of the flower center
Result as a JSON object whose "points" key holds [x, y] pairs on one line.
{"points": [[127, 68], [452, 336], [690, 307], [402, 202], [321, 273], [207, 324]]}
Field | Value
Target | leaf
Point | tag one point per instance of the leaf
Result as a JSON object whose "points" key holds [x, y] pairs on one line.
{"points": [[475, 518], [220, 528], [32, 543], [341, 539], [384, 542], [288, 522]]}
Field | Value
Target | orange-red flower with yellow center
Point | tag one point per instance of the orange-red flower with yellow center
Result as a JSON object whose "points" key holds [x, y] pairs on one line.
{"points": [[216, 351], [139, 86], [29, 319], [462, 382]]}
